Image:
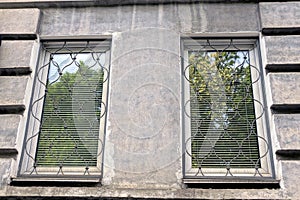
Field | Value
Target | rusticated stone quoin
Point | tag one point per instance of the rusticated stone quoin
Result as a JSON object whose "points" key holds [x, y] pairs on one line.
{"points": [[19, 21], [288, 130], [12, 90], [5, 167], [9, 125], [15, 54], [283, 49], [280, 15], [290, 177], [285, 88]]}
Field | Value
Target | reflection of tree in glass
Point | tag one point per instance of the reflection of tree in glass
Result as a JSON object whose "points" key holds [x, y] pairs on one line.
{"points": [[69, 133], [222, 110]]}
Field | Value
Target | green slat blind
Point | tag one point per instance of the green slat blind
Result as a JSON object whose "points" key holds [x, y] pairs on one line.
{"points": [[223, 121], [69, 133]]}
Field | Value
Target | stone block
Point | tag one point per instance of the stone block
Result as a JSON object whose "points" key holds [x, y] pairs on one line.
{"points": [[106, 20], [290, 178], [288, 130], [285, 88], [19, 21], [15, 54], [282, 49], [212, 18], [280, 15], [82, 21], [5, 169], [9, 125], [182, 18], [12, 90]]}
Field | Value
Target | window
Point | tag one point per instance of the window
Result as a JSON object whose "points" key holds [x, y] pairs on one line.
{"points": [[225, 130], [65, 130]]}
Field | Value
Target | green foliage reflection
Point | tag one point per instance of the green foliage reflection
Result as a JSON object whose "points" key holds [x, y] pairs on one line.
{"points": [[69, 132], [222, 110]]}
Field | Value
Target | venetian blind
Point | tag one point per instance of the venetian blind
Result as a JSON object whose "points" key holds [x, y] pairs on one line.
{"points": [[223, 121], [69, 131]]}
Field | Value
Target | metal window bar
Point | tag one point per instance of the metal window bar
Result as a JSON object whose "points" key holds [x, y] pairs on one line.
{"points": [[223, 121], [67, 136]]}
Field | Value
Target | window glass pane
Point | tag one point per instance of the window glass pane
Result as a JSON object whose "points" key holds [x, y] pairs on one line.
{"points": [[223, 122], [69, 132]]}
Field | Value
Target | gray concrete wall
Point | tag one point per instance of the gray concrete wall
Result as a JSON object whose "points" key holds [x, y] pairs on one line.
{"points": [[147, 161], [180, 18], [80, 3]]}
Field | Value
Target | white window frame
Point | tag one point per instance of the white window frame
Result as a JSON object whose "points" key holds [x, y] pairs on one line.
{"points": [[26, 171], [191, 174]]}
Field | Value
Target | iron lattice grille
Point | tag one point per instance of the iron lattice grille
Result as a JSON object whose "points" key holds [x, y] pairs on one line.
{"points": [[70, 127], [223, 121]]}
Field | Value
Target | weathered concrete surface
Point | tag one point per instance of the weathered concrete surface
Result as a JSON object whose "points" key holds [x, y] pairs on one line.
{"points": [[142, 144], [12, 90], [19, 21], [144, 194], [288, 130], [16, 54], [280, 15], [5, 167], [143, 141], [213, 18], [184, 18], [9, 125], [290, 178], [285, 88], [283, 49], [82, 3]]}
